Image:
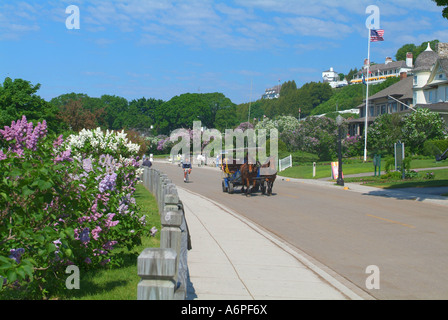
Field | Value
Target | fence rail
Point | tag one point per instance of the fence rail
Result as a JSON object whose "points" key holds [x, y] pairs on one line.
{"points": [[285, 163], [164, 271]]}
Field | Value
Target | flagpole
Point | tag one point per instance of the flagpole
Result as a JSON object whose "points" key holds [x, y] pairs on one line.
{"points": [[367, 99]]}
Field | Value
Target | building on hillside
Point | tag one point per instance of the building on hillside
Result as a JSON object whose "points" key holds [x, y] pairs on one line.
{"points": [[431, 80], [332, 78], [381, 72], [272, 93], [426, 88], [381, 103], [422, 71]]}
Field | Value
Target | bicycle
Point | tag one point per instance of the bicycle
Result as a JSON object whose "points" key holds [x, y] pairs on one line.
{"points": [[187, 175]]}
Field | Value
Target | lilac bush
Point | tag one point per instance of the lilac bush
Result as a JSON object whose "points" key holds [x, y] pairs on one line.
{"points": [[63, 202]]}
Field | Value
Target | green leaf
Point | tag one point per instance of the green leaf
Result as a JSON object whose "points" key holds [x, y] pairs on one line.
{"points": [[44, 185], [20, 272], [5, 265], [27, 191], [51, 247], [11, 275], [28, 270], [16, 173], [5, 196]]}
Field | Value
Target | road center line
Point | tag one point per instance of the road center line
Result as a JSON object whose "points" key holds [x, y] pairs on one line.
{"points": [[392, 221], [290, 196]]}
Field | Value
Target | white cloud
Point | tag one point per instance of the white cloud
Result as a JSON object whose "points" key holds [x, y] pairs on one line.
{"points": [[307, 26]]}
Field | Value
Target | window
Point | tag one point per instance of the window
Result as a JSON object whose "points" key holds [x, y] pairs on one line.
{"points": [[383, 109], [446, 93], [430, 96], [394, 107], [415, 80], [372, 111]]}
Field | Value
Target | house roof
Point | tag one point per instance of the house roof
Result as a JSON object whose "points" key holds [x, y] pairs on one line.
{"points": [[425, 60], [400, 90], [440, 107], [384, 66], [443, 62], [432, 83]]}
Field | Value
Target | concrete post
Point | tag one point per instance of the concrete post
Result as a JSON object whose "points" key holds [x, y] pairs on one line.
{"points": [[157, 270]]}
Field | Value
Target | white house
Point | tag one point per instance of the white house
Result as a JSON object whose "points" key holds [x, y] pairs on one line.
{"points": [[431, 81], [422, 71], [331, 77], [381, 72], [272, 93]]}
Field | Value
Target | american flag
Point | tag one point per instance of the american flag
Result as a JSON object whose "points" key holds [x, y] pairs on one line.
{"points": [[376, 35]]}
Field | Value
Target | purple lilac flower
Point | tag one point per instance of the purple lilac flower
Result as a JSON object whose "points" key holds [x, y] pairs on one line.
{"points": [[104, 262], [2, 155], [109, 223], [153, 231], [64, 156], [58, 142], [108, 183], [16, 254], [109, 245], [96, 233], [85, 235], [87, 165], [23, 135]]}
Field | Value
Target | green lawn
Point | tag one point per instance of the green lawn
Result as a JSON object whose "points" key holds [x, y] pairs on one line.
{"points": [[323, 170], [121, 283], [440, 180]]}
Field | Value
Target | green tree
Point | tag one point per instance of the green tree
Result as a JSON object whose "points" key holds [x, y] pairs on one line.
{"points": [[351, 74], [181, 111], [420, 126], [414, 49], [226, 118], [141, 113], [384, 132], [18, 98], [312, 94], [116, 109], [443, 3]]}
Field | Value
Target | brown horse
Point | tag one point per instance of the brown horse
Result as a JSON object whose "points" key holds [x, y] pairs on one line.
{"points": [[268, 171], [249, 172]]}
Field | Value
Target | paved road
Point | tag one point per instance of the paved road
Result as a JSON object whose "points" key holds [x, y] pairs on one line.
{"points": [[347, 231]]}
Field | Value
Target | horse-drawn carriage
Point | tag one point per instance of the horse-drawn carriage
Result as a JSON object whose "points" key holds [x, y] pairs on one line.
{"points": [[251, 176]]}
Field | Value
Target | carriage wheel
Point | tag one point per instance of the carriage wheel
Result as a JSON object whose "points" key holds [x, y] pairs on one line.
{"points": [[224, 188], [263, 187], [257, 187], [231, 190]]}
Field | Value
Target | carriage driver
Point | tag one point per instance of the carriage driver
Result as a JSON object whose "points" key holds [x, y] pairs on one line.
{"points": [[186, 166]]}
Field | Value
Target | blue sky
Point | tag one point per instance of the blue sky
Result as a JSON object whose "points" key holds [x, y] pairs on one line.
{"points": [[160, 49]]}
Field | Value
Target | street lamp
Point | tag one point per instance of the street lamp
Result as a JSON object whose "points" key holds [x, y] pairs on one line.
{"points": [[339, 121]]}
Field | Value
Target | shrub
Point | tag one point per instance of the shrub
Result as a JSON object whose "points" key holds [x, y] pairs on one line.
{"points": [[435, 148], [63, 203]]}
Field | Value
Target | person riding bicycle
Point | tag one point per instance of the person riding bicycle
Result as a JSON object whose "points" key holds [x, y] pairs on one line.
{"points": [[186, 166]]}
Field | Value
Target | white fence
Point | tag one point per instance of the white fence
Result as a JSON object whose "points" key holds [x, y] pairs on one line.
{"points": [[284, 164]]}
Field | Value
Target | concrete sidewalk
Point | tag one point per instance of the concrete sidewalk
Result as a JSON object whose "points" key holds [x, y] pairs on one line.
{"points": [[234, 259]]}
